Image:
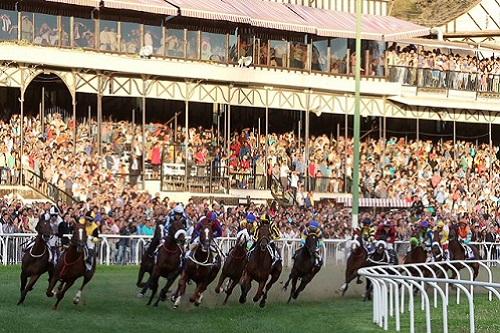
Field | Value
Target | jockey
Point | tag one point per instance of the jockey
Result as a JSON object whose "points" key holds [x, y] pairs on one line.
{"points": [[315, 228], [246, 229], [211, 222], [367, 233], [176, 214], [387, 233], [275, 235], [425, 235], [54, 241], [443, 241], [92, 231], [464, 232]]}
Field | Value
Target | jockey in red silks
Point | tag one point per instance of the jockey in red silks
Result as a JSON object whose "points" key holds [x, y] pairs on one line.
{"points": [[211, 222], [386, 232]]}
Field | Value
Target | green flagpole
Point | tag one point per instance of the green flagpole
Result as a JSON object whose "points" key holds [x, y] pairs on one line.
{"points": [[357, 102]]}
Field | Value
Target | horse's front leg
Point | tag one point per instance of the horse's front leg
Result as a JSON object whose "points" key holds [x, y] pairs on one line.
{"points": [[78, 295], [260, 291], [52, 285], [60, 293], [229, 289], [245, 284], [201, 289], [294, 286], [222, 277], [181, 289]]}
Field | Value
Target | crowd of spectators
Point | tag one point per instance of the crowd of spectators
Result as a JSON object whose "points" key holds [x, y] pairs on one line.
{"points": [[448, 179], [437, 69]]}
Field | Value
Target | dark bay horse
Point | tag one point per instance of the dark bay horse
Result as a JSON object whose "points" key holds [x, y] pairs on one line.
{"points": [[233, 267], [168, 262], [303, 267], [202, 267], [70, 267], [148, 260], [357, 259], [36, 260], [417, 255], [259, 267], [458, 252], [380, 257]]}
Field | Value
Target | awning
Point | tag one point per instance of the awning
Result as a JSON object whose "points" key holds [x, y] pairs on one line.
{"points": [[340, 24], [376, 202], [272, 15], [87, 3], [445, 103], [209, 9], [148, 6]]}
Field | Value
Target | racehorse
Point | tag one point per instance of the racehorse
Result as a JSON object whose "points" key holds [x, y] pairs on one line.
{"points": [[381, 256], [304, 267], [36, 260], [259, 267], [233, 267], [357, 259], [70, 267], [458, 252], [148, 260], [417, 255], [201, 266], [169, 261]]}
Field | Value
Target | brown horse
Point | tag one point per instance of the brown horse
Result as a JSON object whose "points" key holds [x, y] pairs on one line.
{"points": [[233, 267], [201, 266], [259, 267], [357, 259], [70, 267], [417, 255], [304, 267], [148, 260], [168, 263], [458, 252], [36, 260]]}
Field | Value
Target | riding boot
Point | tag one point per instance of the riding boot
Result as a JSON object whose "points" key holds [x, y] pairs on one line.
{"points": [[446, 255], [89, 261]]}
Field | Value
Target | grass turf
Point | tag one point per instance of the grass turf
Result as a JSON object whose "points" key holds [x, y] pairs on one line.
{"points": [[109, 305]]}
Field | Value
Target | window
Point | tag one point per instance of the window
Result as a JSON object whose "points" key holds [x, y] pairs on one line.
{"points": [[46, 31], [84, 33], [263, 52], [8, 24], [319, 55], [153, 36], [233, 48], [108, 36], [27, 27], [213, 46], [65, 30], [376, 60], [193, 47], [338, 56], [130, 37], [174, 43], [278, 53], [298, 55]]}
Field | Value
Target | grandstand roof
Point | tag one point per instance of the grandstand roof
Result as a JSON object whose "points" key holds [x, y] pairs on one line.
{"points": [[271, 15]]}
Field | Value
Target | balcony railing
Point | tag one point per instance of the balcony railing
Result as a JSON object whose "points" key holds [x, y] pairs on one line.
{"points": [[445, 80]]}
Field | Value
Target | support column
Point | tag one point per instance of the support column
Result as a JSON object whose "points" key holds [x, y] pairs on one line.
{"points": [[99, 123], [228, 128], [454, 139], [267, 138], [306, 141], [42, 110], [143, 142], [490, 139], [418, 129], [186, 136], [73, 101], [21, 155]]}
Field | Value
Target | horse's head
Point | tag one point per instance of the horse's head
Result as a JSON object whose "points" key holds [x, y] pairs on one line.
{"points": [[206, 237], [44, 229], [178, 232], [311, 243], [79, 237], [264, 237], [380, 247]]}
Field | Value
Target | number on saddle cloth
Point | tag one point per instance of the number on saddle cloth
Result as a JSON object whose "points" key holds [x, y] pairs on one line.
{"points": [[469, 254]]}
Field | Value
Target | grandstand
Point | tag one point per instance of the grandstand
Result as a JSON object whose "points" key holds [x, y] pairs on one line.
{"points": [[107, 67]]}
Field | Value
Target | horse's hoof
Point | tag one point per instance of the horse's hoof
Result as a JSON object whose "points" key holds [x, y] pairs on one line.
{"points": [[197, 303], [262, 304], [172, 298], [243, 300], [175, 306], [76, 301], [294, 296], [217, 290], [140, 295], [359, 282], [255, 299]]}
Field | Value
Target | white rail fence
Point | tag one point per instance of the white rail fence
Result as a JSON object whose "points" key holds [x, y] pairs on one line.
{"points": [[109, 251], [128, 250], [393, 284]]}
